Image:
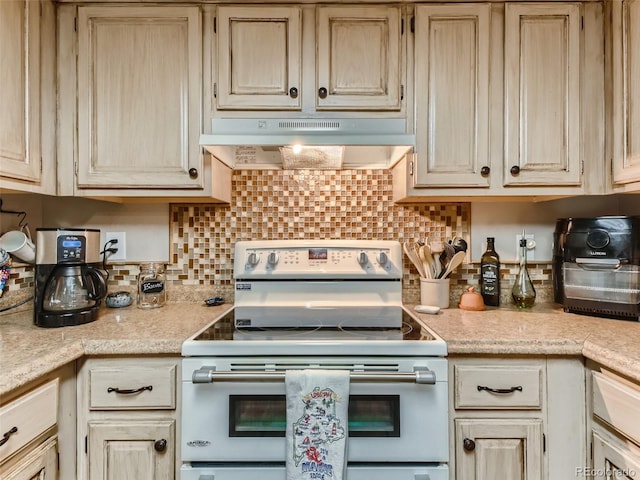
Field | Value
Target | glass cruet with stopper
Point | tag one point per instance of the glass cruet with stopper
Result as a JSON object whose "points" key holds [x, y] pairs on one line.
{"points": [[523, 293]]}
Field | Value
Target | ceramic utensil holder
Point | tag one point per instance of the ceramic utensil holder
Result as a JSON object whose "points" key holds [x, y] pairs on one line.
{"points": [[434, 292]]}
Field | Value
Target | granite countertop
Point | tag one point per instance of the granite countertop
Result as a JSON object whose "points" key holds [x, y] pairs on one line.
{"points": [[27, 351]]}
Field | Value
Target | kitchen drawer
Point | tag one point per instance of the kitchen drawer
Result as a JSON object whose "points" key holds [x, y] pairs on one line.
{"points": [[617, 403], [26, 417], [492, 386], [132, 387]]}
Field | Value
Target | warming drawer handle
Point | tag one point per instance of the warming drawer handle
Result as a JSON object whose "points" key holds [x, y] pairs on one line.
{"points": [[420, 376]]}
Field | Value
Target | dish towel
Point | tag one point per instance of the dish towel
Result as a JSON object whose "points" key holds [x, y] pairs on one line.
{"points": [[317, 424]]}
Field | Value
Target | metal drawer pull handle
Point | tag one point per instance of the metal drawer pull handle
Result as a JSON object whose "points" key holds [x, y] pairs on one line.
{"points": [[207, 375], [129, 392], [5, 437], [500, 390]]}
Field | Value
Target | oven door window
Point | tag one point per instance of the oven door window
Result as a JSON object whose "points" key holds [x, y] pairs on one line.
{"points": [[266, 415]]}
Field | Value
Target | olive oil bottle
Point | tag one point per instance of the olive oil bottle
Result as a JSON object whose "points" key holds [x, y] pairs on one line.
{"points": [[490, 275]]}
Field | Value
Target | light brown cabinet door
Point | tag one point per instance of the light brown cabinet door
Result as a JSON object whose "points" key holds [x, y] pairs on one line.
{"points": [[139, 95], [259, 58], [136, 449], [487, 449], [626, 90], [452, 95], [20, 156], [39, 464], [359, 52], [542, 62], [614, 459]]}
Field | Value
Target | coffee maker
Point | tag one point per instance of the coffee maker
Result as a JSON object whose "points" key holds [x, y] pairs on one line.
{"points": [[69, 281]]}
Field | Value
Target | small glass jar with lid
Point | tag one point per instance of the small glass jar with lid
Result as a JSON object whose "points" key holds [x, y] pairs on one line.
{"points": [[151, 285]]}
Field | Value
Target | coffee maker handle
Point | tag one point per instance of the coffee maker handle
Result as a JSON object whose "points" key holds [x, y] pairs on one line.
{"points": [[98, 284]]}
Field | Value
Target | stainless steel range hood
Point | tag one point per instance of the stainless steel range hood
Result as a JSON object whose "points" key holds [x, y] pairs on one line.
{"points": [[311, 143]]}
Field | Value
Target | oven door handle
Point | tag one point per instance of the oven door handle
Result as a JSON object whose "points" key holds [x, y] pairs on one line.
{"points": [[422, 376]]}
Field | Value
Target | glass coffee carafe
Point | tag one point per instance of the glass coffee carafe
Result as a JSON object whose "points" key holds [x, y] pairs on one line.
{"points": [[74, 287]]}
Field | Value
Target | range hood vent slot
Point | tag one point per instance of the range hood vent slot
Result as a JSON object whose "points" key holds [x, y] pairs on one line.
{"points": [[309, 125]]}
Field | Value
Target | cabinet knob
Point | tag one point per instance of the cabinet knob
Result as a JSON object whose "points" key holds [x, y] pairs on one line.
{"points": [[485, 171], [468, 444], [515, 170], [160, 445], [293, 92], [322, 92], [193, 173]]}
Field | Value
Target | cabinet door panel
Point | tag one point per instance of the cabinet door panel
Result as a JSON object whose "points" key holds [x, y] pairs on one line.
{"points": [[542, 94], [259, 55], [20, 90], [626, 91], [358, 58], [452, 82], [39, 464], [126, 449], [614, 458], [138, 96], [509, 448]]}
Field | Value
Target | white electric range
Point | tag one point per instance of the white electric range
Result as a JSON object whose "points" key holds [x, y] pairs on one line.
{"points": [[330, 304]]}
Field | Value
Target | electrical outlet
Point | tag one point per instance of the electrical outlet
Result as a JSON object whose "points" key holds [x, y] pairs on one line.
{"points": [[531, 246], [121, 254]]}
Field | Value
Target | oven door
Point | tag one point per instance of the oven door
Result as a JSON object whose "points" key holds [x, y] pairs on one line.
{"points": [[278, 472], [244, 421]]}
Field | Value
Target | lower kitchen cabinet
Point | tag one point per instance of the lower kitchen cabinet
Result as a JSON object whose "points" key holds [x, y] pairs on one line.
{"points": [[128, 418], [516, 418], [40, 464], [496, 448], [615, 425], [37, 428], [136, 449], [613, 457]]}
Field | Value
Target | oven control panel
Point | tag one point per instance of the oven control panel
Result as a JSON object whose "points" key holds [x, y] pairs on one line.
{"points": [[318, 259]]}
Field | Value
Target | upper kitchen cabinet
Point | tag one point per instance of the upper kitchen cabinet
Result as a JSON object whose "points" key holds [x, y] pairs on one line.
{"points": [[359, 52], [138, 85], [259, 58], [624, 134], [27, 95], [452, 112], [511, 102], [277, 58], [542, 94]]}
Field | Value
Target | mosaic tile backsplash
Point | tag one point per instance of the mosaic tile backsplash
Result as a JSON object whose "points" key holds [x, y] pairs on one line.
{"points": [[305, 204]]}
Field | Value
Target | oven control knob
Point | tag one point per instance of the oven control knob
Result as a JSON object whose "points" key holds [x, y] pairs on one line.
{"points": [[273, 258], [253, 259], [383, 259], [363, 259]]}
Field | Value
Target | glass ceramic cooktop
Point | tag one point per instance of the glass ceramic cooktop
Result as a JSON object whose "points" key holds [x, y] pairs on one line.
{"points": [[234, 326]]}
